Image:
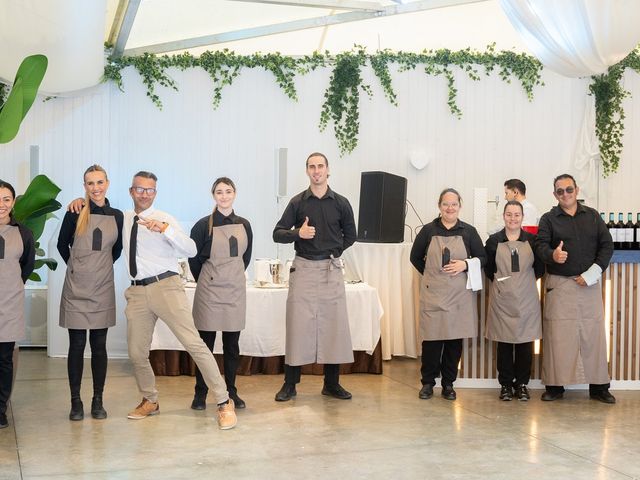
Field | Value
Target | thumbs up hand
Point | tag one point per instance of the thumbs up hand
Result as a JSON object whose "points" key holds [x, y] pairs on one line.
{"points": [[307, 232], [559, 255]]}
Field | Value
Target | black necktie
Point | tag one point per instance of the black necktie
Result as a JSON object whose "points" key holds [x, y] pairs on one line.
{"points": [[133, 269]]}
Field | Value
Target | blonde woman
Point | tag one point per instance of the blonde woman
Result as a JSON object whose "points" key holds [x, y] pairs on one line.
{"points": [[89, 243]]}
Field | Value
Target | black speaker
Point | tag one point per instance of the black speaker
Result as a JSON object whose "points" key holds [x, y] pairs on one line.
{"points": [[382, 207]]}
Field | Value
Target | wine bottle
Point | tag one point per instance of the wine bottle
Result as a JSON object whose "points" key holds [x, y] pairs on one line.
{"points": [[611, 225], [629, 230], [637, 235], [620, 231]]}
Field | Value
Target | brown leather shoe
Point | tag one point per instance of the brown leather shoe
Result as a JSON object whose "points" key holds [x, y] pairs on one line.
{"points": [[227, 416], [145, 409]]}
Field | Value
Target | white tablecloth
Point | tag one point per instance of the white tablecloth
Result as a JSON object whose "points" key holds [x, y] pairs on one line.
{"points": [[386, 267], [264, 334]]}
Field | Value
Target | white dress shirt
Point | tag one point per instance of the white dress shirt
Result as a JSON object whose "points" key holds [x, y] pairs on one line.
{"points": [[531, 215], [156, 252]]}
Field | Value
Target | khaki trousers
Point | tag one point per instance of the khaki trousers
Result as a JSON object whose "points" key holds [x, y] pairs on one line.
{"points": [[166, 299]]}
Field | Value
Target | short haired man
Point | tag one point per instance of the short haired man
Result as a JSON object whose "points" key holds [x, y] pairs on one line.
{"points": [[576, 247], [320, 222], [515, 189], [153, 241]]}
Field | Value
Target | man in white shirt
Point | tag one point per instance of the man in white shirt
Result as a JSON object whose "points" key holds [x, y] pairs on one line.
{"points": [[515, 189], [153, 241]]}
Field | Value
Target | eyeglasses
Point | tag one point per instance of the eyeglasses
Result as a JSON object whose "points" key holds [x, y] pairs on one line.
{"points": [[561, 191], [141, 190], [450, 205]]}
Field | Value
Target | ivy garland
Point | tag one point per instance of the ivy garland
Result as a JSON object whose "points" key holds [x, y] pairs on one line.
{"points": [[342, 97]]}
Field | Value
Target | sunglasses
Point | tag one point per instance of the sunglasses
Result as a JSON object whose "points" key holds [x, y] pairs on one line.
{"points": [[561, 191], [141, 190]]}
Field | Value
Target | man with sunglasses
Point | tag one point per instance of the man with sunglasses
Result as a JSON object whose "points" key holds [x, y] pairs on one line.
{"points": [[576, 247]]}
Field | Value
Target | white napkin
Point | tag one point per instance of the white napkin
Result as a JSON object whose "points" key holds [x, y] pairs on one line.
{"points": [[592, 275], [474, 274]]}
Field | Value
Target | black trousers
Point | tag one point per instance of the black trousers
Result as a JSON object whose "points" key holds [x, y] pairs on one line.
{"points": [[6, 373], [514, 363], [231, 360], [440, 358], [75, 359], [331, 374]]}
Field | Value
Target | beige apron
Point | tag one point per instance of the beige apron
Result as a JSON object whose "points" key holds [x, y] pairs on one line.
{"points": [[220, 301], [447, 309], [11, 286], [574, 343], [317, 322], [88, 297], [514, 304]]}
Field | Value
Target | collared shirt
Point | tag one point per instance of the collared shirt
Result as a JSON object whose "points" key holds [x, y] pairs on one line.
{"points": [[531, 216], [200, 235], [157, 252], [491, 248], [332, 218], [585, 237], [470, 237], [68, 229]]}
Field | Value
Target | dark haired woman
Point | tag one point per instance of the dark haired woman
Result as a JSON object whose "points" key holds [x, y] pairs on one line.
{"points": [[224, 242], [17, 258], [89, 243], [445, 252], [513, 319]]}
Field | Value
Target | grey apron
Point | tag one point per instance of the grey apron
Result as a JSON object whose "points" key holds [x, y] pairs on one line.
{"points": [[447, 309], [88, 297], [514, 304], [11, 286], [317, 321], [574, 343], [220, 301]]}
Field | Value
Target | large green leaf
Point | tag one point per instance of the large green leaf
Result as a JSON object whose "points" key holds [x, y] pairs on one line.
{"points": [[49, 262], [11, 114], [38, 196], [36, 225], [25, 89]]}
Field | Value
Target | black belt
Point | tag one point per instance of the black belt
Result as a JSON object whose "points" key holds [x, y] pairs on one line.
{"points": [[149, 280], [314, 257]]}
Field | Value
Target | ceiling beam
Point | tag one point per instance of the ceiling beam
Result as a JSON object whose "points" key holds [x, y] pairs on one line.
{"points": [[332, 4], [125, 16], [195, 42]]}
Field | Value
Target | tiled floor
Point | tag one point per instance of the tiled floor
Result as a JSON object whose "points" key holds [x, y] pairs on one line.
{"points": [[384, 432]]}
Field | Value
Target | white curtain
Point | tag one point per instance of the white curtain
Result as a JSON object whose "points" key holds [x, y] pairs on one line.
{"points": [[587, 155], [576, 38]]}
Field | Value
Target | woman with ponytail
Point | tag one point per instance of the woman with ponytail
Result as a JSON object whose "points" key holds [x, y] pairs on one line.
{"points": [[17, 258], [89, 243], [224, 243]]}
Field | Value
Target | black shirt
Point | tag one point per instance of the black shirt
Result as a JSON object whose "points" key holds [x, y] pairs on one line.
{"points": [[200, 235], [332, 218], [470, 237], [585, 238], [28, 257], [68, 229], [499, 237]]}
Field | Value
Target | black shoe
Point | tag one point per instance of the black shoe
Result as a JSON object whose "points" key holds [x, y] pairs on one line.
{"points": [[238, 402], [336, 391], [77, 410], [4, 423], [522, 393], [602, 396], [426, 392], [448, 393], [199, 402], [97, 410], [506, 393], [550, 396], [286, 393]]}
